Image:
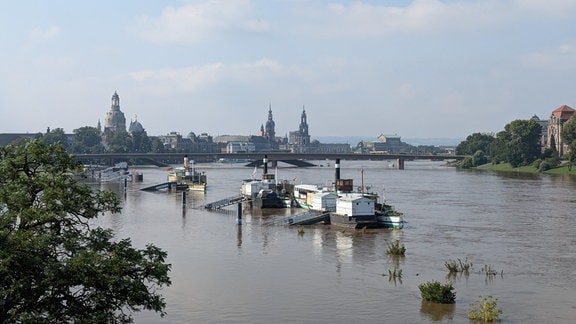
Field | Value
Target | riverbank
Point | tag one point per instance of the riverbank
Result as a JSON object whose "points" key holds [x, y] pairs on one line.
{"points": [[506, 167]]}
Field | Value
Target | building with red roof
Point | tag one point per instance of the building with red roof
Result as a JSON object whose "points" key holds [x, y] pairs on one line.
{"points": [[556, 122]]}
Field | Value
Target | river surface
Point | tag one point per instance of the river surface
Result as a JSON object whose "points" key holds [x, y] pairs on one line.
{"points": [[521, 226]]}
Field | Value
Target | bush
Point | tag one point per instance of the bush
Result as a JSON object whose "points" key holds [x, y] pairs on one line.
{"points": [[454, 267], [467, 163], [544, 166], [396, 249], [436, 292], [486, 310]]}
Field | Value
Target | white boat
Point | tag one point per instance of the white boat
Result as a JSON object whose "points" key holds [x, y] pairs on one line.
{"points": [[187, 178], [304, 195], [118, 172], [389, 217]]}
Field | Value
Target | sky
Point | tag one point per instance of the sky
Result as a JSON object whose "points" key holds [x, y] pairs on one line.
{"points": [[416, 69]]}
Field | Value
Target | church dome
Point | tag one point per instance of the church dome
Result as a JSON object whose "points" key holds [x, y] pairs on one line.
{"points": [[115, 119], [135, 127]]}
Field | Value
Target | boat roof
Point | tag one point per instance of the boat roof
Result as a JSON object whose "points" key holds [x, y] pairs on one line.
{"points": [[307, 187]]}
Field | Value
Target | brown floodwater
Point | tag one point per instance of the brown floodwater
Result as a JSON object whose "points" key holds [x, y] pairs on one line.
{"points": [[521, 226]]}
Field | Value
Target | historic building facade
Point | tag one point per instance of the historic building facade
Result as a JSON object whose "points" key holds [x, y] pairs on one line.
{"points": [[299, 141], [556, 122]]}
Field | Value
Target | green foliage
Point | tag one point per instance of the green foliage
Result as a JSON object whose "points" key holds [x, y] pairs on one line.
{"points": [[396, 249], [460, 266], [487, 310], [467, 163], [119, 142], [87, 140], [54, 266], [141, 142], [436, 292], [300, 229], [547, 164], [518, 144], [474, 143], [523, 141], [55, 136], [156, 145], [544, 166], [569, 131], [498, 148]]}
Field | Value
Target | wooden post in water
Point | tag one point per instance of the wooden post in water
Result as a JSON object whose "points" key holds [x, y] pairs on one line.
{"points": [[239, 214], [184, 199]]}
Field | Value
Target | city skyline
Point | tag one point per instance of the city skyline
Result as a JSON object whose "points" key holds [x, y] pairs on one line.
{"points": [[419, 69]]}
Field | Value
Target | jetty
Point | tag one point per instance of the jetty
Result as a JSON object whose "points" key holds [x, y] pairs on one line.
{"points": [[308, 217], [226, 202], [165, 185]]}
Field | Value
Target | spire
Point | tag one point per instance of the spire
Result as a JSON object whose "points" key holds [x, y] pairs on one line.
{"points": [[269, 131], [115, 102]]}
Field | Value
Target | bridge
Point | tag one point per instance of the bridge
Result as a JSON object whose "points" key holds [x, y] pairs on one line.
{"points": [[164, 159]]}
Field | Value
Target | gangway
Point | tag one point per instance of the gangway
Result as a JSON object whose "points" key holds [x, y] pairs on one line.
{"points": [[226, 202], [306, 218], [164, 185]]}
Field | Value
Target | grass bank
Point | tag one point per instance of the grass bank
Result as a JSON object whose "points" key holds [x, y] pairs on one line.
{"points": [[506, 167]]}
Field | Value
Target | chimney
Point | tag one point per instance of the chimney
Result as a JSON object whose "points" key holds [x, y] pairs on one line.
{"points": [[337, 168]]}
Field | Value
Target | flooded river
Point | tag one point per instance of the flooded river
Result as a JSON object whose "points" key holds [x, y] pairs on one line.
{"points": [[522, 226]]}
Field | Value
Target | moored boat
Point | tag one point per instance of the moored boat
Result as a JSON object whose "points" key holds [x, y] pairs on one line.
{"points": [[118, 172], [356, 209], [265, 192], [187, 178], [389, 217]]}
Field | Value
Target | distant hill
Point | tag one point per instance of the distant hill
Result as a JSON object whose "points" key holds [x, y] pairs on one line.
{"points": [[353, 140]]}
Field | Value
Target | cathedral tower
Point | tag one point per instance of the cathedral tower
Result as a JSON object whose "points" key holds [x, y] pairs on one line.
{"points": [[269, 131], [114, 119]]}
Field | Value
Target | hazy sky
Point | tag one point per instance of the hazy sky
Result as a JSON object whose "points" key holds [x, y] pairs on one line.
{"points": [[419, 69]]}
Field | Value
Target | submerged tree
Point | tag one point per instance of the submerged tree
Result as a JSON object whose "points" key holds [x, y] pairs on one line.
{"points": [[54, 265]]}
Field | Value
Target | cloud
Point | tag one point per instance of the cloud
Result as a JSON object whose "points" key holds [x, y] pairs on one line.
{"points": [[193, 23], [361, 19], [562, 57], [41, 35], [405, 90], [199, 78]]}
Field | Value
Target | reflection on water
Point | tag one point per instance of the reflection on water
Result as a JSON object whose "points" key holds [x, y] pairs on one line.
{"points": [[437, 312], [257, 272]]}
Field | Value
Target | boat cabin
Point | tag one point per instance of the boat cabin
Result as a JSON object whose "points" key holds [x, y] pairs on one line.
{"points": [[354, 205], [325, 201]]}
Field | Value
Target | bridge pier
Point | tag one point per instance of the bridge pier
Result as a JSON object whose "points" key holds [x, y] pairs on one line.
{"points": [[400, 164]]}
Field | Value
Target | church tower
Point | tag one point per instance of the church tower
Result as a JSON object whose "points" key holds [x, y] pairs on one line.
{"points": [[114, 119], [269, 131], [303, 130]]}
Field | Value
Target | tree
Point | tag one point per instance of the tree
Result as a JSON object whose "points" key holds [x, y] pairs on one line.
{"points": [[156, 145], [569, 136], [474, 143], [119, 142], [87, 140], [141, 142], [523, 141], [498, 148], [54, 266], [55, 136]]}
